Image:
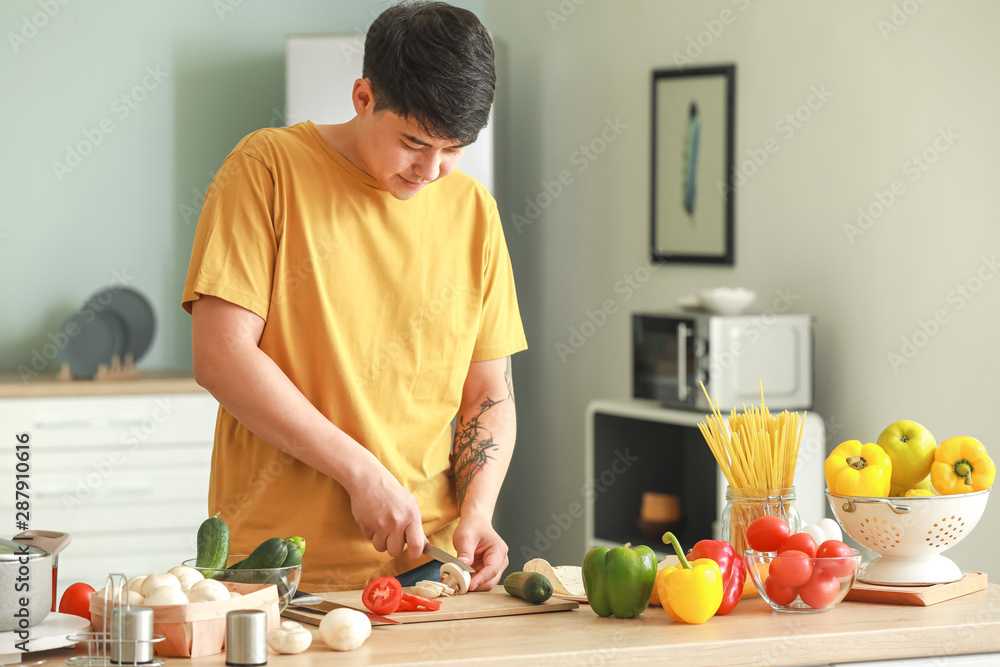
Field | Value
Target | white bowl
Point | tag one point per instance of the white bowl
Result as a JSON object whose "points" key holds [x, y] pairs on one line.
{"points": [[727, 300], [909, 534]]}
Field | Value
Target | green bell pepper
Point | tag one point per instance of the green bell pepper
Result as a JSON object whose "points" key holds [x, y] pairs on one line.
{"points": [[619, 580]]}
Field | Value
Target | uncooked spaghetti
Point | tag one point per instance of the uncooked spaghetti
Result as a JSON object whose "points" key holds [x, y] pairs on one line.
{"points": [[757, 453]]}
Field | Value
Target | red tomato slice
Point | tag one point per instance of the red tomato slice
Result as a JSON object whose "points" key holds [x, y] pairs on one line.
{"points": [[76, 600], [803, 542], [766, 533], [417, 603], [382, 595]]}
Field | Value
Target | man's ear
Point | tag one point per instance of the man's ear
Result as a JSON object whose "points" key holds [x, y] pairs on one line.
{"points": [[363, 97]]}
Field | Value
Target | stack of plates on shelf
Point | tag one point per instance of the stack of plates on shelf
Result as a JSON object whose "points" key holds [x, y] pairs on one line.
{"points": [[114, 325]]}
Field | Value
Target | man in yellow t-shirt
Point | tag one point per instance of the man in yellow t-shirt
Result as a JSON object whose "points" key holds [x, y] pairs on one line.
{"points": [[351, 295]]}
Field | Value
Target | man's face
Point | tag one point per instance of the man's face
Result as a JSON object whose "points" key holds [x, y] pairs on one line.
{"points": [[402, 157]]}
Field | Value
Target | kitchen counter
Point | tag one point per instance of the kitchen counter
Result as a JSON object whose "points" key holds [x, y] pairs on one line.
{"points": [[751, 635]]}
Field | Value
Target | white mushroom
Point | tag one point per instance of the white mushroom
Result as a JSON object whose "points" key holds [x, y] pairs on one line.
{"points": [[455, 577], [189, 579], [289, 637], [154, 581], [206, 594], [431, 589], [344, 629], [135, 583], [212, 584], [165, 595]]}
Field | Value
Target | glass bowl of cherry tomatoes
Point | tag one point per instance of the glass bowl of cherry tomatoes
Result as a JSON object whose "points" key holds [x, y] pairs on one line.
{"points": [[795, 574]]}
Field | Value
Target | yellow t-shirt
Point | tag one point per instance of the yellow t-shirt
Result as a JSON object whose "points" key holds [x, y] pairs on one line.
{"points": [[374, 308]]}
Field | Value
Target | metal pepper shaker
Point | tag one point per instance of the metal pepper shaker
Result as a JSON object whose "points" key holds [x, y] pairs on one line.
{"points": [[246, 637], [131, 635]]}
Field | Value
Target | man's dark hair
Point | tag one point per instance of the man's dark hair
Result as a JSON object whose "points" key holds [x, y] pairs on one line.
{"points": [[432, 62]]}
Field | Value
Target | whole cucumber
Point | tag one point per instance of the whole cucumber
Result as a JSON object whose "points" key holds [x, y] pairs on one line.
{"points": [[213, 543], [269, 554], [532, 587]]}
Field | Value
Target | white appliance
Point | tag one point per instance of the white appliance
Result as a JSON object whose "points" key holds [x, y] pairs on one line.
{"points": [[320, 71], [733, 355]]}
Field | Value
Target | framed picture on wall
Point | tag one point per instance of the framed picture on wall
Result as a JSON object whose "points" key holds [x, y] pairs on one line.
{"points": [[692, 147]]}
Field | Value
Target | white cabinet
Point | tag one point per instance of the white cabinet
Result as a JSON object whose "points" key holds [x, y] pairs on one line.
{"points": [[126, 475]]}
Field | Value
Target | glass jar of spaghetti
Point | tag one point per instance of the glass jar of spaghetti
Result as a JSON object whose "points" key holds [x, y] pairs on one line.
{"points": [[745, 505]]}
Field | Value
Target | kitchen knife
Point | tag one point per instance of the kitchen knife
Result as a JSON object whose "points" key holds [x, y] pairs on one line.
{"points": [[445, 557], [316, 602]]}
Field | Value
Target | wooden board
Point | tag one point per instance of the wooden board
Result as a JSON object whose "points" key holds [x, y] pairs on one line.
{"points": [[920, 596], [472, 605]]}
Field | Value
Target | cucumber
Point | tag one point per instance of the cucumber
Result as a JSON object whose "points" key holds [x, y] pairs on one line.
{"points": [[531, 587], [213, 543], [270, 553], [294, 555]]}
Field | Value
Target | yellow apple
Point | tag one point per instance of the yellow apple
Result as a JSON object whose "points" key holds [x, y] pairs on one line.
{"points": [[910, 447]]}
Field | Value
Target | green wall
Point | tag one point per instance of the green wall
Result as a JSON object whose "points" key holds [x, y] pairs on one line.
{"points": [[115, 115]]}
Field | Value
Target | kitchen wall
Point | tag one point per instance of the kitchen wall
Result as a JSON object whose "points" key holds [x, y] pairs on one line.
{"points": [[116, 114], [885, 107]]}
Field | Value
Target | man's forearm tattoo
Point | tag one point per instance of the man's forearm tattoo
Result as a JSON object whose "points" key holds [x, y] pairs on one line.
{"points": [[473, 444]]}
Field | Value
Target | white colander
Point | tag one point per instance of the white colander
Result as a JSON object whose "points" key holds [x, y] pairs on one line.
{"points": [[909, 534]]}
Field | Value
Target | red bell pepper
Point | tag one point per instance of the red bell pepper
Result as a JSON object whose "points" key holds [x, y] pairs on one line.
{"points": [[734, 570]]}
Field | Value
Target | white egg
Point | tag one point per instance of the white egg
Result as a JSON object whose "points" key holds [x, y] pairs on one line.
{"points": [[831, 529]]}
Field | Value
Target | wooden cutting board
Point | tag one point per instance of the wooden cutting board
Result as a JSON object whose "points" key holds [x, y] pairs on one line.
{"points": [[920, 596], [471, 605]]}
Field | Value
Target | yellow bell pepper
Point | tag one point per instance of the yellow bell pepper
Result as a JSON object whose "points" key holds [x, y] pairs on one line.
{"points": [[962, 465], [917, 493], [692, 591], [853, 469]]}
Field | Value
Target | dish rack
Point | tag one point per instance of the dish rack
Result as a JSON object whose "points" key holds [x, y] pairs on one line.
{"points": [[909, 534], [100, 643]]}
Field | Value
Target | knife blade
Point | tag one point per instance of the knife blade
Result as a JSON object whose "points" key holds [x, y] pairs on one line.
{"points": [[326, 605], [445, 557]]}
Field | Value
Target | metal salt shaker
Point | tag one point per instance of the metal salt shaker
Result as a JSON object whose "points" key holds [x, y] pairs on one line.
{"points": [[131, 635], [246, 637]]}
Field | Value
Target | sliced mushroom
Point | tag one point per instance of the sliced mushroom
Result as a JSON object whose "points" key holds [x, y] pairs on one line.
{"points": [[455, 577], [431, 589]]}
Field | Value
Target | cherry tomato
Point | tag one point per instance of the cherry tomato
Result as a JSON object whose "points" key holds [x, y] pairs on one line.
{"points": [[766, 533], [821, 590], [836, 558], [779, 594], [416, 603], [791, 568], [76, 600], [803, 542], [382, 595]]}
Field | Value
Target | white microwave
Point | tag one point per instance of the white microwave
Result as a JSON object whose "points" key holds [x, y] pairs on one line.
{"points": [[733, 355]]}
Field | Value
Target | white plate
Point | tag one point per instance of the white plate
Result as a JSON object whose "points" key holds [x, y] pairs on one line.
{"points": [[50, 633]]}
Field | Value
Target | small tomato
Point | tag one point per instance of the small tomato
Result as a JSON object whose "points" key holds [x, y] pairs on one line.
{"points": [[766, 533], [76, 600], [791, 568], [779, 594], [821, 590], [836, 558], [803, 542]]}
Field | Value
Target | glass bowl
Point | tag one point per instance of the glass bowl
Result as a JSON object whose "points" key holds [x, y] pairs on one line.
{"points": [[285, 578], [829, 580]]}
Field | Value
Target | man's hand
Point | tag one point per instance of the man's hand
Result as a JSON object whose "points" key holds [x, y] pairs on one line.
{"points": [[388, 515], [481, 547]]}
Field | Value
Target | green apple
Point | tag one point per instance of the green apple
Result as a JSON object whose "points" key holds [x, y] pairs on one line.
{"points": [[910, 447]]}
